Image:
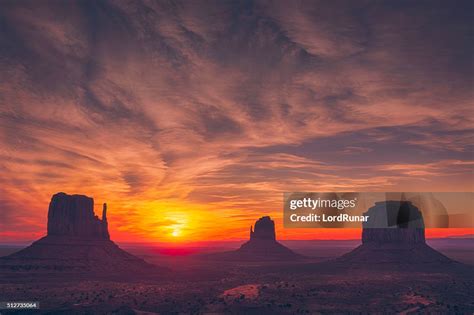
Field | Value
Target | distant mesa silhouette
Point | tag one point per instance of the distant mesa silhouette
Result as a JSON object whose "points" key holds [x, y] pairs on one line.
{"points": [[264, 229], [77, 242], [394, 234], [261, 246]]}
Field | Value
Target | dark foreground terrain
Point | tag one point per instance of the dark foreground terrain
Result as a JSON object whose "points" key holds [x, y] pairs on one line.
{"points": [[197, 286]]}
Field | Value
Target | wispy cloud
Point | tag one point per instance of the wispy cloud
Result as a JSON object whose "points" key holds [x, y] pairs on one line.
{"points": [[212, 109]]}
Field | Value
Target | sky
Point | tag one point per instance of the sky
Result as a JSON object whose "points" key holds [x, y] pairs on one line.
{"points": [[191, 118]]}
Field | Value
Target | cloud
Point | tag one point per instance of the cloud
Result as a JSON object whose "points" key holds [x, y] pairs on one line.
{"points": [[219, 107]]}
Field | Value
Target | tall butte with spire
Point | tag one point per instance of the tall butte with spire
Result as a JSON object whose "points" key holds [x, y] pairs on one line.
{"points": [[77, 240], [73, 216]]}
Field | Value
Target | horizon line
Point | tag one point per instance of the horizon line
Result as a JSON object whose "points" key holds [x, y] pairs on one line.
{"points": [[26, 243]]}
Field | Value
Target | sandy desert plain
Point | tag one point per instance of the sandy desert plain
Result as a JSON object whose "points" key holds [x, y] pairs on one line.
{"points": [[195, 283]]}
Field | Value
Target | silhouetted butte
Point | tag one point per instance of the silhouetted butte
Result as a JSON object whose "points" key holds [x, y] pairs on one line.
{"points": [[77, 242], [394, 234], [262, 245]]}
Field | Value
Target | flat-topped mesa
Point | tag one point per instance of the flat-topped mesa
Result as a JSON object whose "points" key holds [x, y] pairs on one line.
{"points": [[73, 215], [264, 229], [394, 237], [394, 222]]}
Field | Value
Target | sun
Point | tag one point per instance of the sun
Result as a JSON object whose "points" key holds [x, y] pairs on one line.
{"points": [[175, 233]]}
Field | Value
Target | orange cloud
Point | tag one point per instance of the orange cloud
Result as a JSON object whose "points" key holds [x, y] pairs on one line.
{"points": [[191, 121]]}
